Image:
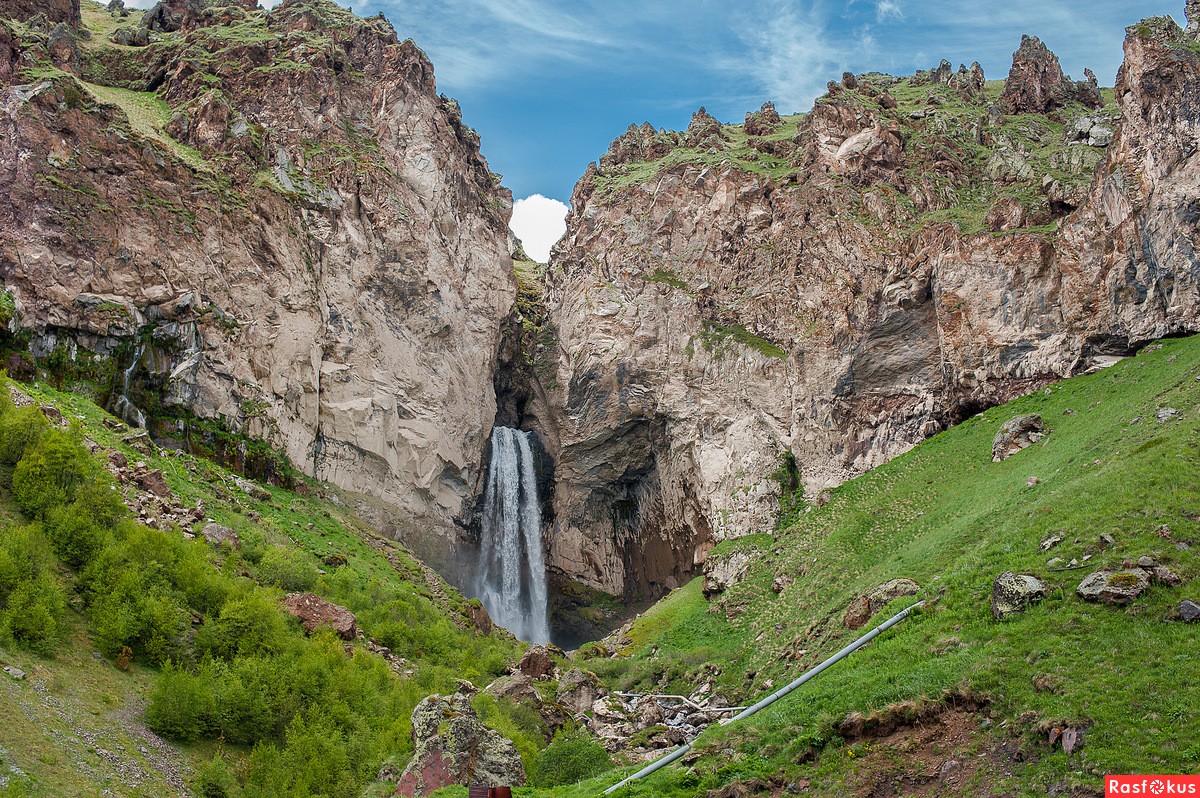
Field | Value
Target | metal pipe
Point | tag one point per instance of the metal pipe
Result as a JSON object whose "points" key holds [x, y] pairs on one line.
{"points": [[778, 694], [845, 652], [653, 766]]}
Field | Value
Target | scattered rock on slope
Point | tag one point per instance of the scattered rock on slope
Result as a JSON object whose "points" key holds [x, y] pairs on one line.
{"points": [[1012, 593], [722, 573], [1188, 612], [578, 690], [1016, 434], [315, 612], [1114, 587], [866, 605]]}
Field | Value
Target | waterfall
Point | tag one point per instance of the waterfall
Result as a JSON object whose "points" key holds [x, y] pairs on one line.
{"points": [[123, 407], [511, 574]]}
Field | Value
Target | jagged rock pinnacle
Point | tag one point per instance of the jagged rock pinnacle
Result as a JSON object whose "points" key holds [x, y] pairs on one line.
{"points": [[1192, 12]]}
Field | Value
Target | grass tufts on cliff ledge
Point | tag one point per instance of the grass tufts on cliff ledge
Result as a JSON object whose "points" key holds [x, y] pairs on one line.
{"points": [[1117, 478]]}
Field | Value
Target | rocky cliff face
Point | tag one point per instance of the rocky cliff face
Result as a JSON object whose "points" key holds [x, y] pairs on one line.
{"points": [[272, 220], [842, 285]]}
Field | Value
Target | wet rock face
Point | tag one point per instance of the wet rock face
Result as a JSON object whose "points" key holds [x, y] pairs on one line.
{"points": [[341, 300], [713, 319]]}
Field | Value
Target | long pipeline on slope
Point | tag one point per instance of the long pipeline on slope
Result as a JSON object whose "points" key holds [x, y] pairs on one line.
{"points": [[775, 696]]}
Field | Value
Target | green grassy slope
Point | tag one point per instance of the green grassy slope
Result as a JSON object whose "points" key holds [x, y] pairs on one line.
{"points": [[319, 717], [948, 517]]}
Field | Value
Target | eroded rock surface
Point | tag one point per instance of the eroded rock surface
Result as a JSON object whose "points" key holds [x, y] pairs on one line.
{"points": [[1017, 434], [1013, 593], [317, 255], [452, 746], [714, 317]]}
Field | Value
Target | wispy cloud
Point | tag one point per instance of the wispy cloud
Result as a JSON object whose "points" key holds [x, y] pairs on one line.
{"points": [[888, 9], [789, 55]]}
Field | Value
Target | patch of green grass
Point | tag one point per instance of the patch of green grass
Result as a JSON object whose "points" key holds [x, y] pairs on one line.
{"points": [[716, 335], [667, 277], [949, 518]]}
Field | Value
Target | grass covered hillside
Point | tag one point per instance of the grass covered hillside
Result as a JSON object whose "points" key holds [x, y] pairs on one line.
{"points": [[952, 701], [157, 664]]}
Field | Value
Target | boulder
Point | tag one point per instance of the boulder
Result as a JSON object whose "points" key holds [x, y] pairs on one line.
{"points": [[315, 612], [1114, 587], [1012, 593], [537, 663], [216, 534], [1188, 612], [480, 618], [1016, 434], [452, 747], [866, 605], [517, 687], [722, 573], [578, 691], [154, 482]]}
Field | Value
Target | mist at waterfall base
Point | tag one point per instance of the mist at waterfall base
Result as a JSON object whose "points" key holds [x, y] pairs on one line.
{"points": [[510, 575]]}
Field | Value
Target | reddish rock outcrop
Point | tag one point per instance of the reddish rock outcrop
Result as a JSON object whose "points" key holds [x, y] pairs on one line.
{"points": [[452, 746], [316, 613], [1036, 83], [65, 11]]}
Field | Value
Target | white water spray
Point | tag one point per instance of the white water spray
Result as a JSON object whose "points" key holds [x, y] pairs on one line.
{"points": [[123, 406], [511, 576]]}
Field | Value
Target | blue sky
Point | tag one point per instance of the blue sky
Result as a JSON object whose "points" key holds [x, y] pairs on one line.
{"points": [[549, 84]]}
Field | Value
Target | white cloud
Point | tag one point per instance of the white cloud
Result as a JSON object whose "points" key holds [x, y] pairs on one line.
{"points": [[888, 9], [791, 56], [539, 222]]}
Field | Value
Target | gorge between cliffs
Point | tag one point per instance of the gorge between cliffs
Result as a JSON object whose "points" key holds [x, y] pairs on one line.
{"points": [[266, 236]]}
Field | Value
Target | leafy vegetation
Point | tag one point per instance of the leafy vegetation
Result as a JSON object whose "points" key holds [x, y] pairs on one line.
{"points": [[266, 709]]}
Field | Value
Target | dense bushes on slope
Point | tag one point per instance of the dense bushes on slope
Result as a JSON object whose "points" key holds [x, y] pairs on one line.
{"points": [[292, 715]]}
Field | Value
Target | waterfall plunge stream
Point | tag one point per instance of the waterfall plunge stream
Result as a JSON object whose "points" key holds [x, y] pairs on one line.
{"points": [[511, 575]]}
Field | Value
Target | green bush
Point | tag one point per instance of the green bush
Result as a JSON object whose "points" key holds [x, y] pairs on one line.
{"points": [[49, 473], [571, 757], [289, 569], [181, 705], [20, 429], [214, 779], [249, 625], [34, 614]]}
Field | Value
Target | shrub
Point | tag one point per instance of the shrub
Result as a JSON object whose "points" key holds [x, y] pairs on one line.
{"points": [[181, 705], [19, 430], [214, 779], [289, 569], [34, 614], [248, 626], [571, 757], [49, 473]]}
